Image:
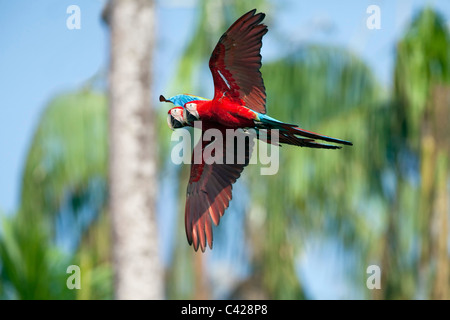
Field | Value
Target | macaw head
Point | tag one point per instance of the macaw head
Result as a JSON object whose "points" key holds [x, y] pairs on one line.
{"points": [[175, 118], [191, 113]]}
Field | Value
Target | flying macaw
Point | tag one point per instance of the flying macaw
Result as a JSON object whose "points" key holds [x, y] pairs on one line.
{"points": [[239, 103]]}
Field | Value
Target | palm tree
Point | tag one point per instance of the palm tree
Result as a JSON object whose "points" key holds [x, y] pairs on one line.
{"points": [[421, 85], [63, 199], [133, 152], [62, 219]]}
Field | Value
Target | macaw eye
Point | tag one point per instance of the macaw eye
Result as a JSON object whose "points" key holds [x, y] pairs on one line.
{"points": [[191, 105]]}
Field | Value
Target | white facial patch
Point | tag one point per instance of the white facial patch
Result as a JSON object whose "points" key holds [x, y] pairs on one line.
{"points": [[191, 107]]}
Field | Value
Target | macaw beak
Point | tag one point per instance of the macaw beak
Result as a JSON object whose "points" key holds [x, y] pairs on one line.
{"points": [[173, 123], [162, 99], [190, 116]]}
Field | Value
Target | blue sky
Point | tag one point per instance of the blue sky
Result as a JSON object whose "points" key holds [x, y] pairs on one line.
{"points": [[40, 57]]}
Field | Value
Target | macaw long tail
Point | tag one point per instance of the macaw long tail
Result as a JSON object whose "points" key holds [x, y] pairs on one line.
{"points": [[270, 123], [313, 135], [286, 138]]}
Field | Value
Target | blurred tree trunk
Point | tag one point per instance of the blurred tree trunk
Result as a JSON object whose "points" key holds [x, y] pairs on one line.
{"points": [[428, 152], [434, 197], [441, 279], [388, 250], [421, 80], [132, 143], [441, 131]]}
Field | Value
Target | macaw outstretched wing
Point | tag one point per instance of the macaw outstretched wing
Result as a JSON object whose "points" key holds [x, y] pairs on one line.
{"points": [[236, 60], [210, 186]]}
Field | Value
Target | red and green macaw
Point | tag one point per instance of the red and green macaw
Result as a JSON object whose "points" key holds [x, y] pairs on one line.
{"points": [[239, 103]]}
